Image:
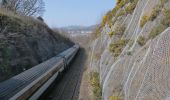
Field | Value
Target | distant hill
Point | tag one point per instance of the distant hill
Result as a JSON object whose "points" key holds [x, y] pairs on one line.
{"points": [[78, 29]]}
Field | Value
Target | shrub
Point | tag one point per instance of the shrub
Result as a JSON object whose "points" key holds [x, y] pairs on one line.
{"points": [[144, 20], [97, 31], [121, 3], [40, 18], [166, 20], [141, 41], [117, 47], [130, 8], [134, 1], [95, 83], [111, 34], [165, 23], [157, 30], [110, 24], [104, 20], [118, 1], [121, 13], [163, 2], [119, 30], [155, 12], [114, 11], [167, 13]]}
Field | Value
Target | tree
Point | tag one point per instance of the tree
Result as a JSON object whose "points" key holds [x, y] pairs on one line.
{"points": [[25, 7]]}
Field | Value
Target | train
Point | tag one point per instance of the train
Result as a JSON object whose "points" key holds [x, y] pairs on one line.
{"points": [[32, 83]]}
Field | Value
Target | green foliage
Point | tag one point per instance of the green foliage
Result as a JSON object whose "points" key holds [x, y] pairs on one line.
{"points": [[166, 20], [111, 34], [118, 1], [144, 20], [141, 41], [107, 19], [95, 83], [157, 9], [130, 8], [134, 1], [121, 3], [165, 23], [163, 1], [98, 30], [119, 30], [117, 47], [121, 13], [157, 30]]}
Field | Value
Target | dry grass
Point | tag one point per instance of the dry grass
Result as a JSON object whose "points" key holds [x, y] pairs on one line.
{"points": [[141, 41], [95, 83], [117, 47], [26, 19], [144, 20]]}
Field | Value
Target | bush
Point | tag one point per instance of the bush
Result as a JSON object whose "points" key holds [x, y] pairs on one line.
{"points": [[155, 12], [165, 23], [163, 2], [166, 20], [157, 30], [97, 31], [114, 11], [130, 8], [40, 18], [119, 30], [121, 3], [111, 34], [118, 1], [117, 47], [121, 13], [104, 20], [141, 41], [144, 20], [95, 83]]}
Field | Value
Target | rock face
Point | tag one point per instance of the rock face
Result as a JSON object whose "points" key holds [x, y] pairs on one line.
{"points": [[26, 42], [141, 70]]}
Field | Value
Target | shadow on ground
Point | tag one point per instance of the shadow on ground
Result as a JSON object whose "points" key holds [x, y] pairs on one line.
{"points": [[67, 86]]}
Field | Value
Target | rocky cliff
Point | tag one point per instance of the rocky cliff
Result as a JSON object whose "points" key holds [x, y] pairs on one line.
{"points": [[132, 51], [26, 42]]}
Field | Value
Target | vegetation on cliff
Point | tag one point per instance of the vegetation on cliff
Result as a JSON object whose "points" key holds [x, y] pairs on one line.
{"points": [[25, 42], [117, 47], [95, 83]]}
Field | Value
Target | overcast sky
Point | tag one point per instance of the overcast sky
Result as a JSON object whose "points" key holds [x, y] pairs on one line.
{"points": [[61, 13]]}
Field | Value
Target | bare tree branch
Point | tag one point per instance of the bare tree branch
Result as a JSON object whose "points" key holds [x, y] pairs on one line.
{"points": [[25, 7]]}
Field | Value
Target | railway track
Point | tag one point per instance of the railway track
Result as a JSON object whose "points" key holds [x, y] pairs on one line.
{"points": [[67, 88]]}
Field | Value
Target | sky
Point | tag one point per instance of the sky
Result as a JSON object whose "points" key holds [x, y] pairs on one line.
{"points": [[62, 13]]}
